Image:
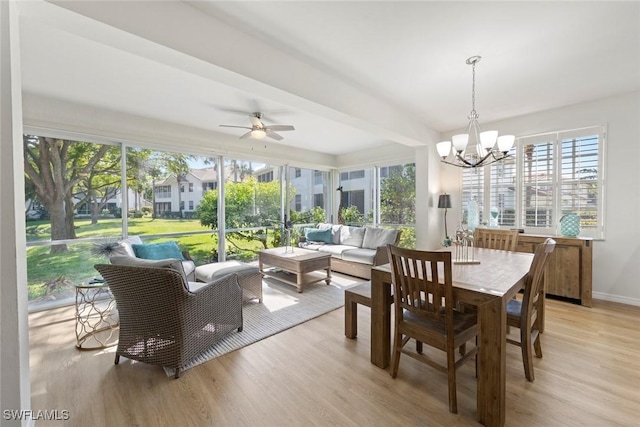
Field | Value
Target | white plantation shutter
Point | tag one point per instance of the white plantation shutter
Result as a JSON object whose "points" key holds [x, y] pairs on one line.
{"points": [[580, 187], [502, 192], [547, 176], [537, 183], [473, 189]]}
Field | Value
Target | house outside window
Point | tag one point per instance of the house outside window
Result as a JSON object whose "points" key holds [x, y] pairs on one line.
{"points": [[190, 205], [191, 187], [163, 191]]}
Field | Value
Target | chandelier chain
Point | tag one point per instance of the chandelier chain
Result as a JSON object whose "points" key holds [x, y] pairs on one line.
{"points": [[473, 114]]}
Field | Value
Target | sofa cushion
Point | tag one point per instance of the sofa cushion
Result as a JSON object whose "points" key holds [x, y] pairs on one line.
{"points": [[317, 235], [374, 237], [335, 231], [124, 247], [170, 263], [334, 250], [352, 236], [158, 251], [361, 255]]}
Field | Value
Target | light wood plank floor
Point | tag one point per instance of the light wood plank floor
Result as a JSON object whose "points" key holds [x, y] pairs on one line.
{"points": [[312, 375]]}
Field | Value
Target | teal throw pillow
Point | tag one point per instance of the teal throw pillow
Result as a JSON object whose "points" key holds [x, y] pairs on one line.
{"points": [[316, 235], [158, 251]]}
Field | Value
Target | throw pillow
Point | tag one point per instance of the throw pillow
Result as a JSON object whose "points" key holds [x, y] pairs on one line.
{"points": [[335, 231], [316, 235], [158, 251], [374, 237]]}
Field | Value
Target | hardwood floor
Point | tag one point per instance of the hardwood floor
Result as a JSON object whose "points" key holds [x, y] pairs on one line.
{"points": [[312, 375]]}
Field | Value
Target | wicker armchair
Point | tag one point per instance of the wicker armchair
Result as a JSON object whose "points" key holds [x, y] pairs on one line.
{"points": [[162, 322]]}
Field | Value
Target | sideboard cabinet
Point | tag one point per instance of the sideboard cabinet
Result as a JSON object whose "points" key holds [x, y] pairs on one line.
{"points": [[569, 268]]}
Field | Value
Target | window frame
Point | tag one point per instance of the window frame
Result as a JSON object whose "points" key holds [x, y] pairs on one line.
{"points": [[555, 139]]}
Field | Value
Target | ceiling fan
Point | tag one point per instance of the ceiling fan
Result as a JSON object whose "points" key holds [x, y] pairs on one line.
{"points": [[259, 130]]}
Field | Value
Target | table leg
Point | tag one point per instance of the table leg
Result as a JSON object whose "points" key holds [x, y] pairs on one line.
{"points": [[328, 279], [380, 320], [492, 318]]}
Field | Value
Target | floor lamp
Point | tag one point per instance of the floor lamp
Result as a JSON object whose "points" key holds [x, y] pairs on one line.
{"points": [[444, 202]]}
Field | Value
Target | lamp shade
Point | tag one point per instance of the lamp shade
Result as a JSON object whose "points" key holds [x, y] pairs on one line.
{"points": [[444, 148], [444, 201]]}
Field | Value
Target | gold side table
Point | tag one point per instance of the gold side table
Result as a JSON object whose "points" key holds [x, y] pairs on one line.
{"points": [[96, 317]]}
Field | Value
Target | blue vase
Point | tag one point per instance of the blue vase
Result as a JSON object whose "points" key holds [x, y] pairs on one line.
{"points": [[570, 225]]}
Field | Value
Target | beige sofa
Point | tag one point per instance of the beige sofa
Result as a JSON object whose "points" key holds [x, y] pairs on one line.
{"points": [[354, 250]]}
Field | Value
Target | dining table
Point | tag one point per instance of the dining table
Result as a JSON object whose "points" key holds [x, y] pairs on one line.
{"points": [[489, 283]]}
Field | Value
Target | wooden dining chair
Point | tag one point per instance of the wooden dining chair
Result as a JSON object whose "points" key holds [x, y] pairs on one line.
{"points": [[424, 311], [496, 238], [523, 313]]}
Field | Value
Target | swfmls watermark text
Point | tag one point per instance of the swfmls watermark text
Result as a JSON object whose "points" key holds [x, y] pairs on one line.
{"points": [[37, 415]]}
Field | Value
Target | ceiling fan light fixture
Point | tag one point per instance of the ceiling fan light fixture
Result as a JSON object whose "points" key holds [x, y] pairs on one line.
{"points": [[258, 133]]}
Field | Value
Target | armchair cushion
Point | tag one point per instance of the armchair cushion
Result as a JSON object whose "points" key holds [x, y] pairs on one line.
{"points": [[158, 251], [170, 263]]}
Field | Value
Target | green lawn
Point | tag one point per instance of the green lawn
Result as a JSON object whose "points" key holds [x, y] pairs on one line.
{"points": [[76, 264]]}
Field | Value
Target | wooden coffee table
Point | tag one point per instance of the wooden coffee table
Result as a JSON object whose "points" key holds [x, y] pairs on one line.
{"points": [[303, 263]]}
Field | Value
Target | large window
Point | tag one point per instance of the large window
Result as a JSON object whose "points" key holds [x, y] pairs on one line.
{"points": [[548, 176]]}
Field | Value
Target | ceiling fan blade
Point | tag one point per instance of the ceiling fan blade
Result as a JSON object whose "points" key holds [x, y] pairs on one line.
{"points": [[280, 128], [246, 135], [274, 135], [231, 126]]}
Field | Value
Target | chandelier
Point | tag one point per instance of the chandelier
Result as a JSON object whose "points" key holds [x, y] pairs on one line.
{"points": [[475, 148]]}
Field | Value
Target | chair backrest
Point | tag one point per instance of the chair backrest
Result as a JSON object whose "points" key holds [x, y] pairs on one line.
{"points": [[495, 238], [152, 294], [533, 282], [422, 284]]}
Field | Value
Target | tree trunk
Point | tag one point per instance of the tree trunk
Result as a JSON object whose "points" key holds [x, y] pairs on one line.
{"points": [[69, 217], [58, 226]]}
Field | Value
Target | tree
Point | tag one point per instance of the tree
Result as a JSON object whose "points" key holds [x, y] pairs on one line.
{"points": [[54, 167], [398, 196], [247, 204]]}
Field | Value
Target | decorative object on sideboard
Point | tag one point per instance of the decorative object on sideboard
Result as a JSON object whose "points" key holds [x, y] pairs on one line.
{"points": [[444, 202], [570, 225], [475, 148]]}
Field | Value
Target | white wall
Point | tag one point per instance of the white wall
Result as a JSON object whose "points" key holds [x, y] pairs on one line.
{"points": [[616, 263]]}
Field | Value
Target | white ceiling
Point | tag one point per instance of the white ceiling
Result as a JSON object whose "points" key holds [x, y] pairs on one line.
{"points": [[349, 75]]}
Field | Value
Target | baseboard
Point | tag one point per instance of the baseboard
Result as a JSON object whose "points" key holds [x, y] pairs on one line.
{"points": [[616, 298]]}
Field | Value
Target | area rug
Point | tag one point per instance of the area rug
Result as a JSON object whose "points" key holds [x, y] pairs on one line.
{"points": [[282, 308]]}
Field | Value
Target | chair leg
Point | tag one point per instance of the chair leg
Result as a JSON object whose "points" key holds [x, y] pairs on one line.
{"points": [[395, 356], [350, 318], [419, 347], [117, 359], [525, 345], [451, 371], [177, 375], [536, 344]]}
